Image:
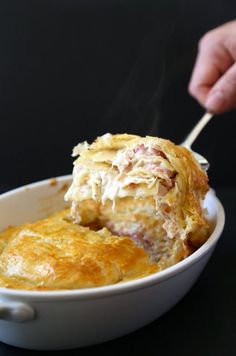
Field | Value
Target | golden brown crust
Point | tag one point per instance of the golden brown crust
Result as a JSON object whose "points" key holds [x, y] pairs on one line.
{"points": [[54, 254], [115, 167], [138, 200]]}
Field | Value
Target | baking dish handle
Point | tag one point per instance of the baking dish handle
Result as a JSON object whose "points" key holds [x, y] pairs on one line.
{"points": [[16, 311]]}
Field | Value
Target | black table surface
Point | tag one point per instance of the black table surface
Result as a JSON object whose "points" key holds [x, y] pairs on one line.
{"points": [[203, 323]]}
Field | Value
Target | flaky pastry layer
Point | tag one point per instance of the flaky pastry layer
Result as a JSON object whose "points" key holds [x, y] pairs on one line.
{"points": [[54, 254], [151, 180]]}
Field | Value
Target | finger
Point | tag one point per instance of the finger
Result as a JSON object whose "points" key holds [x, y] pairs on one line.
{"points": [[212, 61], [222, 97], [205, 74]]}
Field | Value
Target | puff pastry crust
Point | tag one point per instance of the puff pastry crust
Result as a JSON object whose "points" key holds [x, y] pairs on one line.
{"points": [[147, 188], [54, 254], [136, 209]]}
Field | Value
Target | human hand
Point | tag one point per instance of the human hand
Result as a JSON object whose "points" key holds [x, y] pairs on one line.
{"points": [[213, 81]]}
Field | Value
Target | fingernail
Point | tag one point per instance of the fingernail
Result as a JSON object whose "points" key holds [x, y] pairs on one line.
{"points": [[215, 101]]}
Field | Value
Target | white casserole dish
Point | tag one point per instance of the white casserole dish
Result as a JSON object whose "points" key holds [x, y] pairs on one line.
{"points": [[76, 318]]}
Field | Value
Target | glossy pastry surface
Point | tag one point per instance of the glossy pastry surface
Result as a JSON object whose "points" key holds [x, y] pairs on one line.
{"points": [[54, 253], [136, 208]]}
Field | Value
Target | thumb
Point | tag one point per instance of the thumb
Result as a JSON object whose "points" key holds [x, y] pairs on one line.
{"points": [[222, 97]]}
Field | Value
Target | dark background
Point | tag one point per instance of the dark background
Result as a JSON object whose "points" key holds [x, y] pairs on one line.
{"points": [[71, 70], [74, 69]]}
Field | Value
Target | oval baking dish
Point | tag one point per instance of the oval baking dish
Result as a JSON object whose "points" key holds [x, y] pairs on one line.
{"points": [[75, 318]]}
